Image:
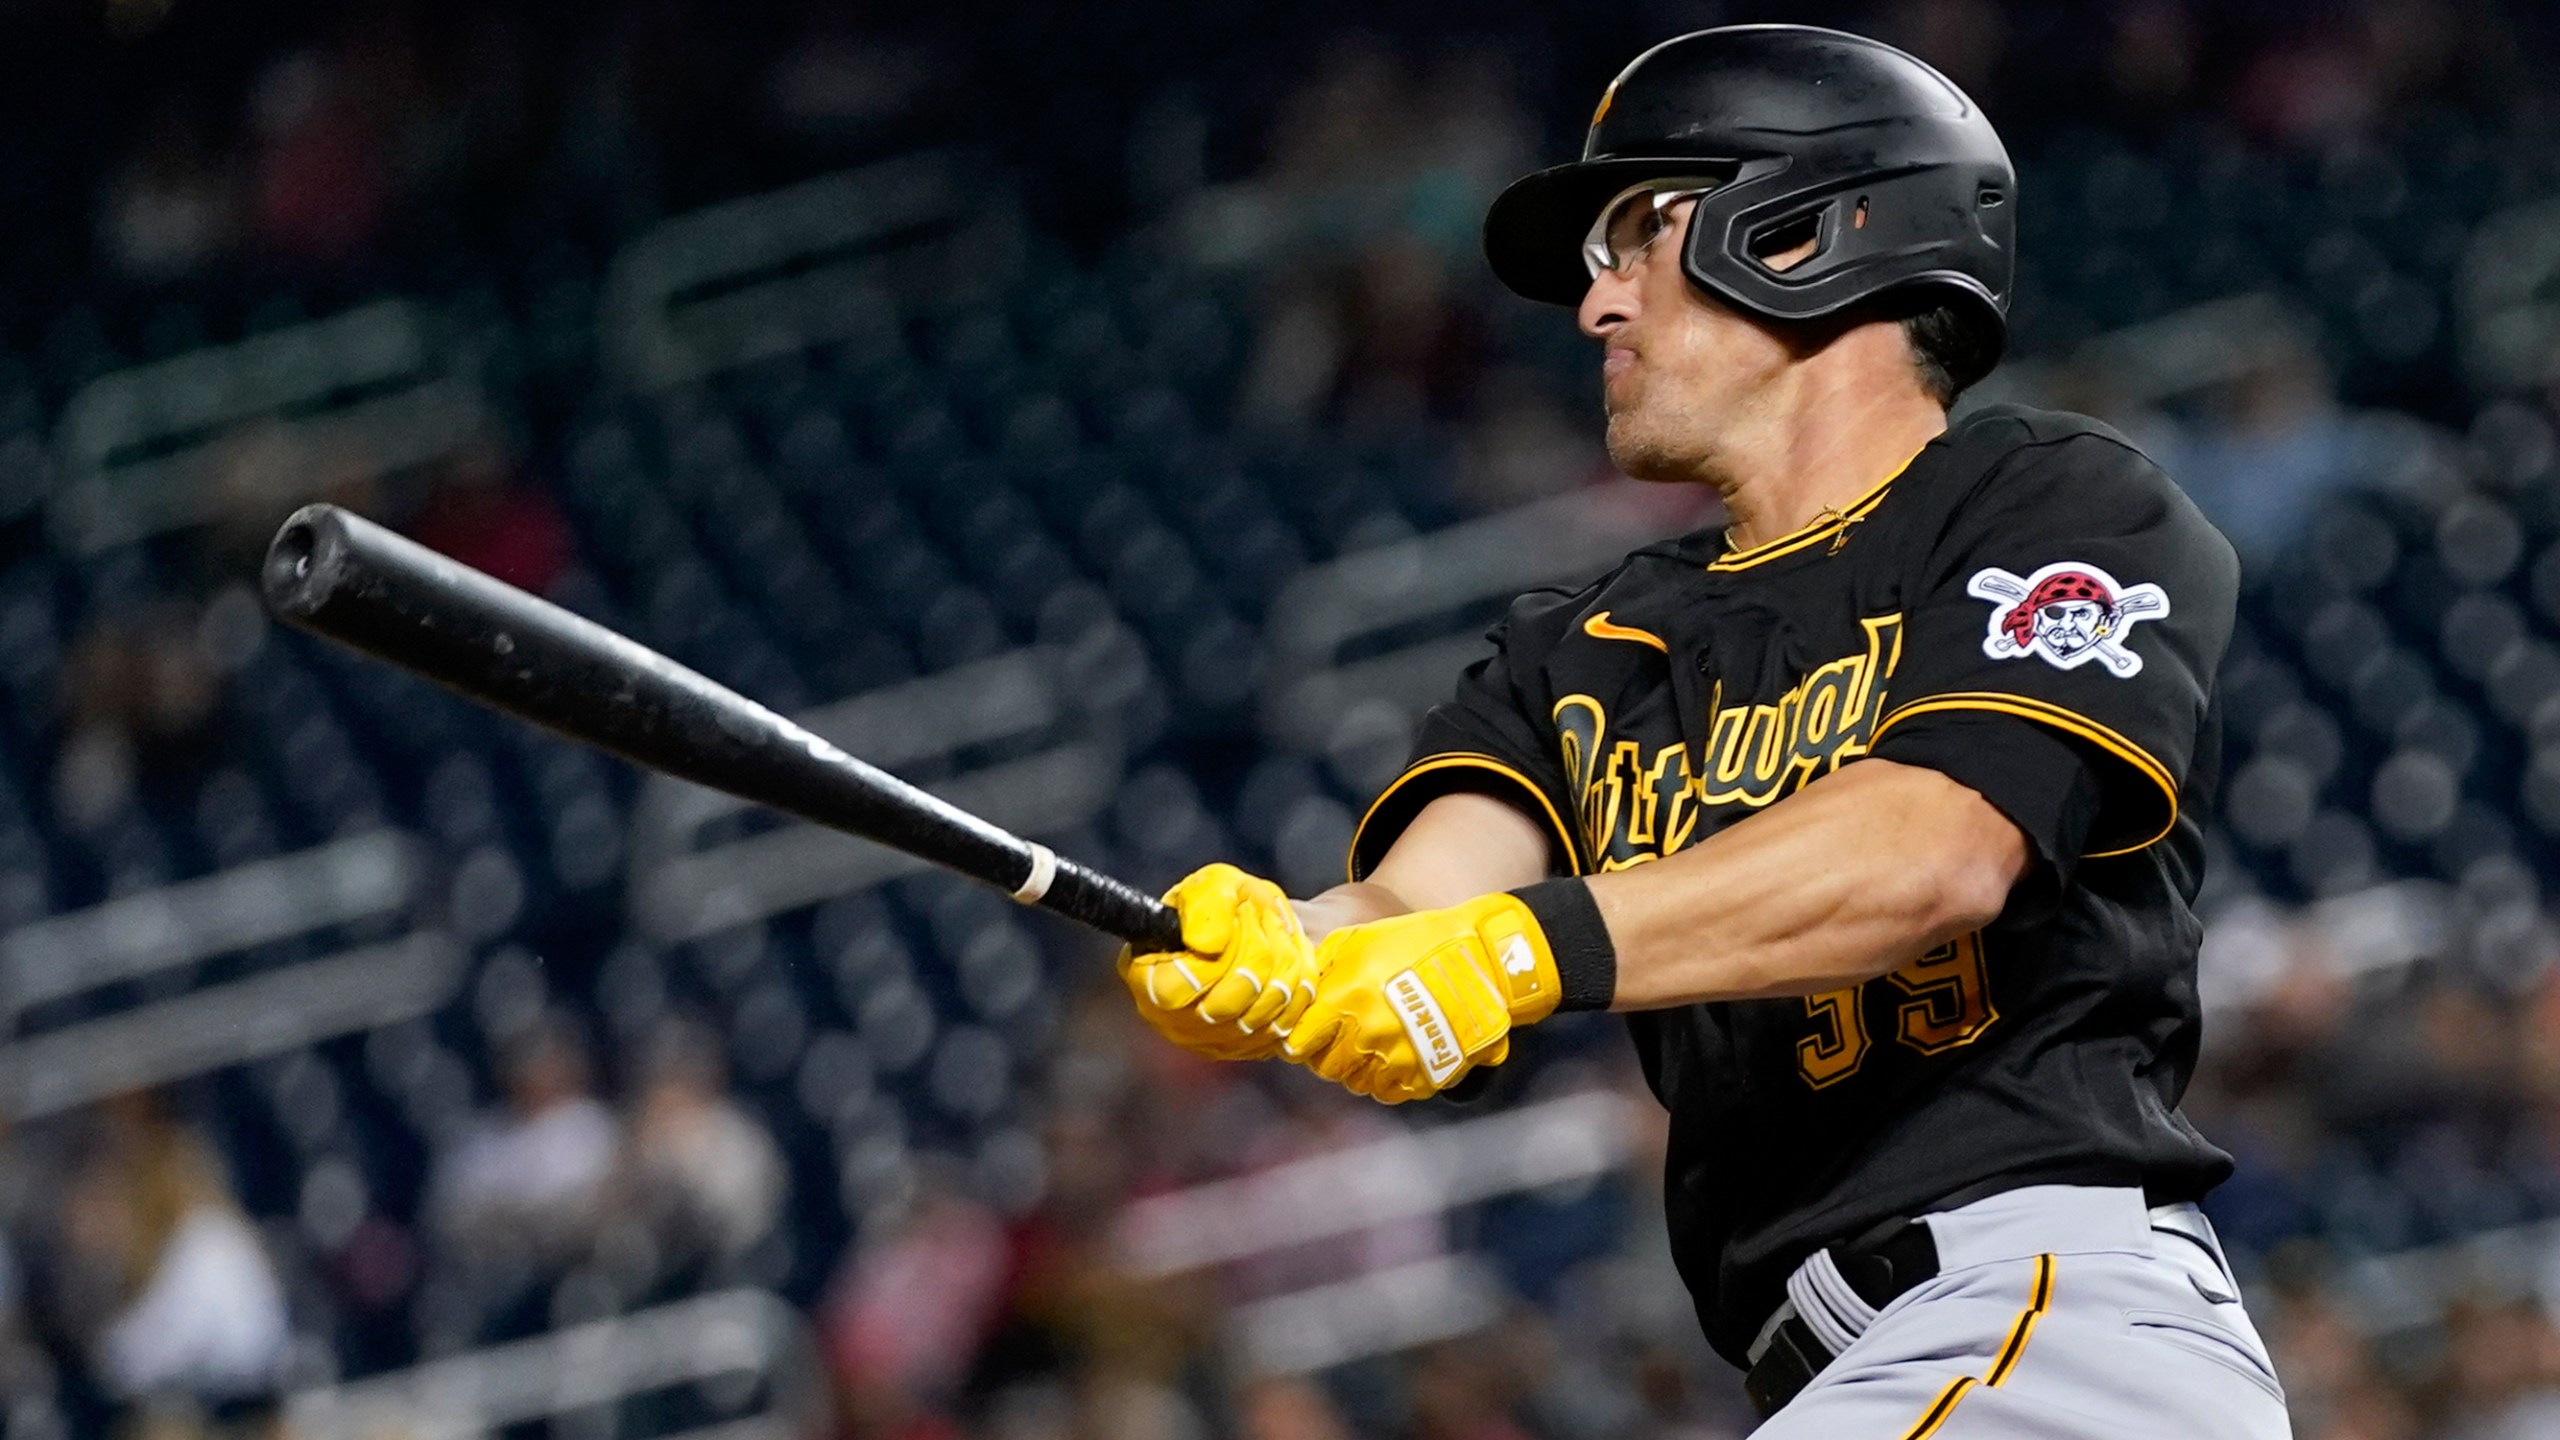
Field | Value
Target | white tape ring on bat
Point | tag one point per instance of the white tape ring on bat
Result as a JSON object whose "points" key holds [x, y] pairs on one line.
{"points": [[1044, 869]]}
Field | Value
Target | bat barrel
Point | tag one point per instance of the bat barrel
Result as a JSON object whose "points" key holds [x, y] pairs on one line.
{"points": [[347, 579]]}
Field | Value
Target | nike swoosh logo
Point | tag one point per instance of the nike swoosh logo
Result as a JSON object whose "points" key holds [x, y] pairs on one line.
{"points": [[1599, 628]]}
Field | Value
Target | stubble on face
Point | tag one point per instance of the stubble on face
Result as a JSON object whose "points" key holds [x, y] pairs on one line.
{"points": [[1650, 437], [1697, 377], [1694, 380]]}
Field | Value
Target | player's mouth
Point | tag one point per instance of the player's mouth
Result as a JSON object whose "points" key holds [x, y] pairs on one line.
{"points": [[1616, 361]]}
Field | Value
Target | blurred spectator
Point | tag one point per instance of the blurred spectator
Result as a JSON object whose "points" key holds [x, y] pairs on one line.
{"points": [[2503, 1373], [2270, 444], [1288, 1408], [1471, 1388], [265, 470], [905, 1317], [1116, 1404], [140, 703], [1314, 1121], [2334, 1384], [1965, 39], [703, 1176], [480, 514], [2152, 61], [321, 189], [1523, 444], [524, 1184], [1366, 218], [2370, 63], [159, 1274], [841, 81], [174, 204]]}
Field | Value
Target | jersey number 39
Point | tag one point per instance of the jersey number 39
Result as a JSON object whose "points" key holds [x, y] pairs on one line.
{"points": [[1947, 1003]]}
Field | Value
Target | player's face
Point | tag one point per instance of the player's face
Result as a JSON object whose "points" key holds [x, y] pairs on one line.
{"points": [[1679, 371]]}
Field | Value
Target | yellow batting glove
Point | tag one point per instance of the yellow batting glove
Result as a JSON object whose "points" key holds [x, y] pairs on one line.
{"points": [[1245, 974], [1405, 1006]]}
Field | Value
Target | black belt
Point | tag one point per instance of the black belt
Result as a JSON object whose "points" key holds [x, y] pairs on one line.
{"points": [[1882, 1264]]}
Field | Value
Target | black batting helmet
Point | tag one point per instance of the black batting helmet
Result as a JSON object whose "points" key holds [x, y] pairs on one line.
{"points": [[1812, 134]]}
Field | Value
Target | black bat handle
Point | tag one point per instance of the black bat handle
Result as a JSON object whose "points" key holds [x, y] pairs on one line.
{"points": [[1114, 907], [343, 577]]}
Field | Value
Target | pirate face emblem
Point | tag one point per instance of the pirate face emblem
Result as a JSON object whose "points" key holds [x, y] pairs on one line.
{"points": [[2066, 627], [2069, 613]]}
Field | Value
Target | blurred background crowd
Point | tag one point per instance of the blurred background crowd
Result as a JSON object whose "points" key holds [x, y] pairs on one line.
{"points": [[1100, 412]]}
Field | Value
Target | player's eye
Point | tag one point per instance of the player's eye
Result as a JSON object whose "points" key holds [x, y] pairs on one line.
{"points": [[1636, 225], [1630, 224]]}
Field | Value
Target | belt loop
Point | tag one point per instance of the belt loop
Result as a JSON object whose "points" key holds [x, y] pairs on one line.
{"points": [[1785, 1312]]}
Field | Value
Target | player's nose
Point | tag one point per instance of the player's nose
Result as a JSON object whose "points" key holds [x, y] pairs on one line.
{"points": [[1607, 306]]}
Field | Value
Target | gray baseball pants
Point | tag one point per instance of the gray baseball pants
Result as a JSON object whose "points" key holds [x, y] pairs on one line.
{"points": [[2059, 1312]]}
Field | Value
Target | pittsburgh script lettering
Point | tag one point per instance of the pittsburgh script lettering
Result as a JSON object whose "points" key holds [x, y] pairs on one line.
{"points": [[1637, 806]]}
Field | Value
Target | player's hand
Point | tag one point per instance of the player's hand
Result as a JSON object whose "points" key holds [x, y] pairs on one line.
{"points": [[1406, 1006], [1244, 976]]}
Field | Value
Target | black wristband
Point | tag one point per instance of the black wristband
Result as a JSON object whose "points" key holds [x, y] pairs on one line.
{"points": [[1586, 963]]}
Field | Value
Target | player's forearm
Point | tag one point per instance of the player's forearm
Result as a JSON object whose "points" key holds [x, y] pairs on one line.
{"points": [[1459, 847], [1848, 878], [1357, 903]]}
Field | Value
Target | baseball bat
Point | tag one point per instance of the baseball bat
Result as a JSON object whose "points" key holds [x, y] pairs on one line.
{"points": [[343, 577]]}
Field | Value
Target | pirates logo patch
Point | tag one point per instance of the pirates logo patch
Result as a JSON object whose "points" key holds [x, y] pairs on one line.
{"points": [[2069, 613]]}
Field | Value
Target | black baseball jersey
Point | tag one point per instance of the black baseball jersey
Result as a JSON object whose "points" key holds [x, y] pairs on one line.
{"points": [[2031, 607]]}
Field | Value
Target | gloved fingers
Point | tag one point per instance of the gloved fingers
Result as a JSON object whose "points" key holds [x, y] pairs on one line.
{"points": [[1229, 996], [1357, 1029], [1169, 982], [1335, 1062], [1269, 935], [1184, 1030], [1355, 1074], [1395, 1084], [1367, 1074], [1208, 924], [1253, 892], [1388, 1091], [1210, 900], [1226, 1047], [1347, 1063], [1265, 1009], [1295, 1001], [1312, 1035], [1169, 1024]]}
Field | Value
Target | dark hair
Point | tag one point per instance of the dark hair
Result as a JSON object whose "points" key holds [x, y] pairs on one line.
{"points": [[1951, 347]]}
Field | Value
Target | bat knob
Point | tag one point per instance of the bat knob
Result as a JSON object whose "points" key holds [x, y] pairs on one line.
{"points": [[301, 568]]}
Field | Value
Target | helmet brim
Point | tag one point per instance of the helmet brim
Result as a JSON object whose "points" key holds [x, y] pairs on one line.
{"points": [[1534, 231]]}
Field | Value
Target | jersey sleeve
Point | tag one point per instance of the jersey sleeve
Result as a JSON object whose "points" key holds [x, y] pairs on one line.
{"points": [[2074, 592], [1494, 736]]}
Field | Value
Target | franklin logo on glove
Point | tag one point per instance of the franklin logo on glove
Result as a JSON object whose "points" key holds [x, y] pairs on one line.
{"points": [[1428, 1028]]}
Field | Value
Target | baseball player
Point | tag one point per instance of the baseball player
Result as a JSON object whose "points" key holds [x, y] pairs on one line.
{"points": [[1876, 811]]}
